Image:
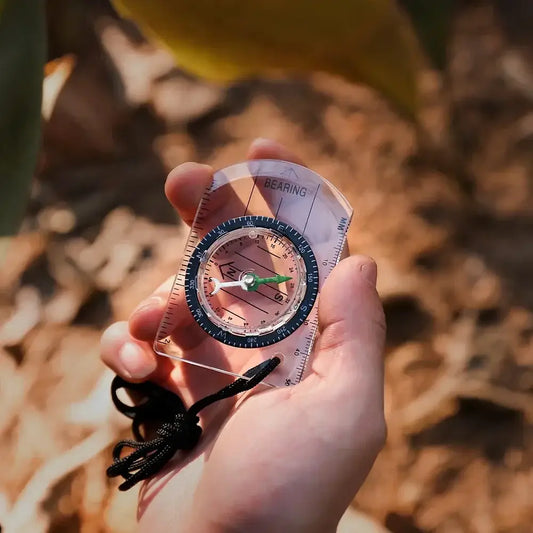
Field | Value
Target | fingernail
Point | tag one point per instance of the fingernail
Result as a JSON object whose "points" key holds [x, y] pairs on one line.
{"points": [[153, 301], [370, 271], [135, 363]]}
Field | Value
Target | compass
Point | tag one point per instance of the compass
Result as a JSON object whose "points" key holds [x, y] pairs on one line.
{"points": [[251, 281], [265, 237]]}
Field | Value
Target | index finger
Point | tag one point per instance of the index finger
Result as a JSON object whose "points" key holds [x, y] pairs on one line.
{"points": [[185, 186], [187, 182]]}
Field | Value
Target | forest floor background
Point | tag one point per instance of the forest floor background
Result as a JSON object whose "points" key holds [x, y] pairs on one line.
{"points": [[451, 231]]}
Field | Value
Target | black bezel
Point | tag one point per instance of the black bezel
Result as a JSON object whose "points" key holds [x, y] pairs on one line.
{"points": [[252, 341]]}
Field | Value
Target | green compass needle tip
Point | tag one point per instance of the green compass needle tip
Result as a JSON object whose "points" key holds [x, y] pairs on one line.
{"points": [[261, 281]]}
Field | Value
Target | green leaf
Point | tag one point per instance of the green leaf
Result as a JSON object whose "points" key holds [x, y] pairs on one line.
{"points": [[22, 56], [432, 21]]}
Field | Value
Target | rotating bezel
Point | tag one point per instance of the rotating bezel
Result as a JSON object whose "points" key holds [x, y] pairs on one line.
{"points": [[251, 340]]}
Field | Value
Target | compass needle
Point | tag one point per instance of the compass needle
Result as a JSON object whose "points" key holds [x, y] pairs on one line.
{"points": [[223, 284], [261, 281]]}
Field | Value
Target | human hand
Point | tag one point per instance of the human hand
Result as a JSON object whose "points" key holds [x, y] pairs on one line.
{"points": [[288, 459]]}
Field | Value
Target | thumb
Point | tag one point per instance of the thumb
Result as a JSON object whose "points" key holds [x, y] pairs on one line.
{"points": [[349, 351]]}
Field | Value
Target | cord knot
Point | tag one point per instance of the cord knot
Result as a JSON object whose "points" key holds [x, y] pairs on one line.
{"points": [[184, 429]]}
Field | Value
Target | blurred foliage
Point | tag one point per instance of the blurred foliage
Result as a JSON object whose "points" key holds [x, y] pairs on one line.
{"points": [[432, 22], [364, 41], [22, 46], [367, 41], [516, 17]]}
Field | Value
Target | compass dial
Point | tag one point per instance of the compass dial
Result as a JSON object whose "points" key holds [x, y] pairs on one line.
{"points": [[251, 281]]}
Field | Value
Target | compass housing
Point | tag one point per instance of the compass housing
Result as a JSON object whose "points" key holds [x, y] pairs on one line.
{"points": [[298, 307]]}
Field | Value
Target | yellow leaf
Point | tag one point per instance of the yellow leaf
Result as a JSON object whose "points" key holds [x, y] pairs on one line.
{"points": [[366, 41]]}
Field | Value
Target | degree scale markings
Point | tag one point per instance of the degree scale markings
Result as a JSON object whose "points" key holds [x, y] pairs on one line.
{"points": [[219, 244]]}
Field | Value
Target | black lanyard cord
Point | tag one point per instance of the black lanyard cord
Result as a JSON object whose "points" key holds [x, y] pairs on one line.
{"points": [[177, 427]]}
